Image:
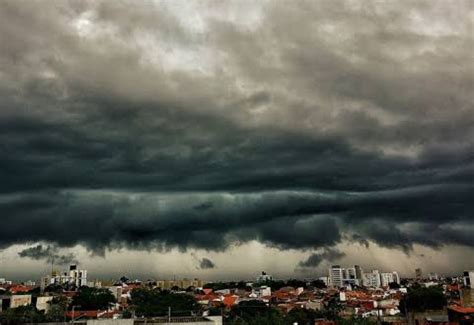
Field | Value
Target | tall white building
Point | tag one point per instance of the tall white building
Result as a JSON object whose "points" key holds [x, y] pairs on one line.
{"points": [[396, 277], [386, 278], [372, 279], [74, 277], [351, 273], [77, 277], [337, 275], [264, 277]]}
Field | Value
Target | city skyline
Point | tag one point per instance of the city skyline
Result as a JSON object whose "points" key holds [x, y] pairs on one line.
{"points": [[191, 267], [221, 139]]}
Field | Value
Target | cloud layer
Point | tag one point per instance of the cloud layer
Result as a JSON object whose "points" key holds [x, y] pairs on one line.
{"points": [[206, 263], [183, 125], [49, 254], [315, 259]]}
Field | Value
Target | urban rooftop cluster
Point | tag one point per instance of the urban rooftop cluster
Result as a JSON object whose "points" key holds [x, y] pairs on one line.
{"points": [[343, 296]]}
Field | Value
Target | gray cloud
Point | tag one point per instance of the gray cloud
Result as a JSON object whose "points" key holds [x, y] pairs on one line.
{"points": [[305, 125], [206, 263], [328, 254], [48, 254]]}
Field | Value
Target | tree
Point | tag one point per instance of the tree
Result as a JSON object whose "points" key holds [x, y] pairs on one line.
{"points": [[127, 314], [393, 285], [356, 321], [154, 302], [58, 306], [35, 291], [254, 312], [421, 299], [332, 309], [302, 316], [295, 283], [319, 284], [93, 299], [22, 314], [54, 288]]}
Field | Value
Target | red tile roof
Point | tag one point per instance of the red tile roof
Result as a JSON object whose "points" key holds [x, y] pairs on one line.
{"points": [[19, 288], [229, 300], [91, 313], [82, 313], [462, 310]]}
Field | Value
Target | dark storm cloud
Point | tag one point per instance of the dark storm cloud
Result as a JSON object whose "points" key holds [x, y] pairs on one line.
{"points": [[206, 263], [315, 259], [128, 126], [283, 219], [48, 253]]}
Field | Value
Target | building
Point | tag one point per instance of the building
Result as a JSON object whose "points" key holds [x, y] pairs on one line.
{"points": [[43, 303], [387, 278], [264, 277], [73, 277], [181, 284], [337, 275], [4, 281], [77, 277], [352, 276], [326, 280], [20, 300], [263, 291], [358, 272], [116, 291], [418, 274], [396, 277], [350, 273], [372, 279], [468, 279], [433, 276]]}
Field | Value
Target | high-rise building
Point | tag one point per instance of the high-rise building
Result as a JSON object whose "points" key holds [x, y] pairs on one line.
{"points": [[372, 279], [336, 274], [264, 277], [352, 276], [396, 277], [74, 277], [358, 271], [77, 277], [350, 273], [386, 279], [418, 274]]}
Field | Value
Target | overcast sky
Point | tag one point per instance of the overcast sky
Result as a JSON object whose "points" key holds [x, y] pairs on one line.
{"points": [[218, 139]]}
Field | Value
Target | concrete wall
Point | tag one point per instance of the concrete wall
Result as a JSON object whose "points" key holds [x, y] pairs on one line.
{"points": [[110, 322], [55, 323], [214, 320], [173, 323], [211, 320], [42, 303], [20, 300]]}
